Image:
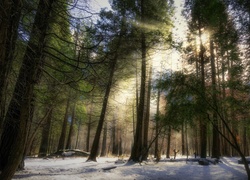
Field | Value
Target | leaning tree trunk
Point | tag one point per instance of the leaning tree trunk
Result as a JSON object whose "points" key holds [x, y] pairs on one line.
{"points": [[10, 14], [14, 134], [95, 145]]}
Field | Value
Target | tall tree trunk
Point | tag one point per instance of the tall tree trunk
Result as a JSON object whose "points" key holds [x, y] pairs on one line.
{"points": [[61, 144], [234, 123], [71, 130], [44, 147], [224, 112], [95, 145], [89, 124], [114, 137], [186, 138], [120, 149], [182, 139], [203, 123], [169, 142], [104, 141], [136, 153], [245, 147], [14, 136], [216, 142], [156, 153], [9, 20], [77, 136], [147, 116]]}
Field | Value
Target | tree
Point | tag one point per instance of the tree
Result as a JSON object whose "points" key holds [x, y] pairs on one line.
{"points": [[104, 140], [72, 129], [202, 21], [150, 14], [10, 15], [114, 46], [62, 140], [14, 136], [44, 147]]}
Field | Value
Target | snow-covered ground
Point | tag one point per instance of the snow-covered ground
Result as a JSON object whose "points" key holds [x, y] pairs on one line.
{"points": [[79, 169]]}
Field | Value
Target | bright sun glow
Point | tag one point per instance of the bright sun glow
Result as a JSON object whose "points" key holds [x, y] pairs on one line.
{"points": [[204, 40]]}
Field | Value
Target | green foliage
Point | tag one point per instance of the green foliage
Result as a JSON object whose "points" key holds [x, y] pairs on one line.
{"points": [[81, 114], [180, 92]]}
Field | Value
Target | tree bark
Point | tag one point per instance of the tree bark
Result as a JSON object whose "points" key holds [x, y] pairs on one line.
{"points": [[104, 141], [14, 136], [186, 137], [44, 147], [168, 142], [71, 130], [61, 145], [95, 145], [114, 137], [137, 150], [147, 116], [9, 21], [182, 139], [89, 125], [216, 142], [156, 153], [203, 123]]}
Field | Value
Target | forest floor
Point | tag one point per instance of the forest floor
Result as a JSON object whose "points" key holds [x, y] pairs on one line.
{"points": [[76, 168]]}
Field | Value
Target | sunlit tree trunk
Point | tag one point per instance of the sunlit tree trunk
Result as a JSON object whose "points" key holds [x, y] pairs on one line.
{"points": [[216, 142], [156, 153], [95, 145], [203, 119], [137, 150], [225, 144], [147, 116], [112, 63]]}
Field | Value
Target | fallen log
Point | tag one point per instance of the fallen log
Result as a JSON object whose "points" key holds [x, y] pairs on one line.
{"points": [[108, 168]]}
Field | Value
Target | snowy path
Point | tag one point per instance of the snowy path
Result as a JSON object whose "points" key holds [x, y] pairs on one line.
{"points": [[79, 169]]}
